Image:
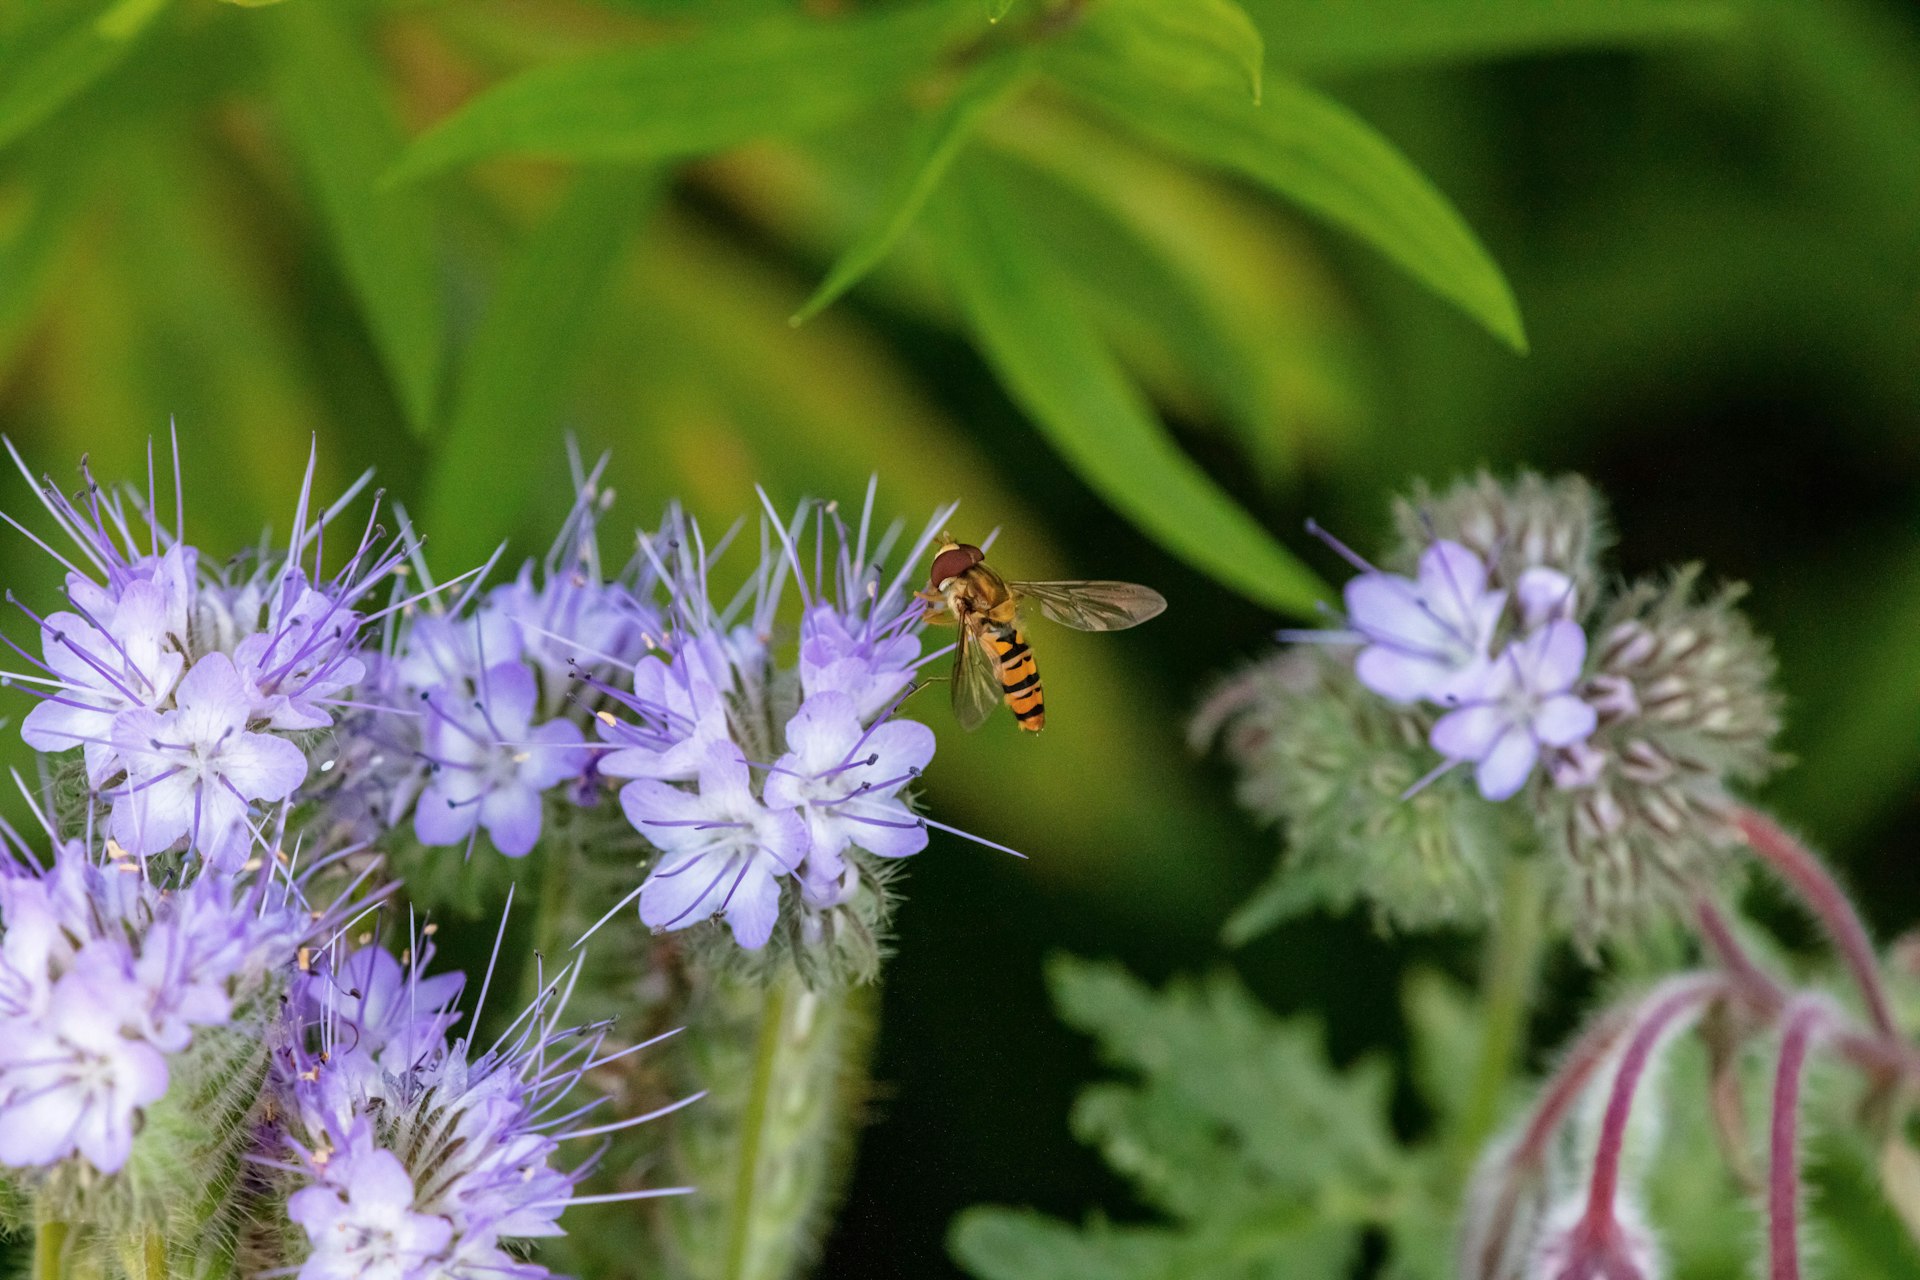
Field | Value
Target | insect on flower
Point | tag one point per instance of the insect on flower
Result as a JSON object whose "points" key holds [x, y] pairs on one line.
{"points": [[993, 661]]}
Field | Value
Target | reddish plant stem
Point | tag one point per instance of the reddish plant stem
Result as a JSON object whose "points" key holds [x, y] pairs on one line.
{"points": [[1783, 1172], [1798, 866], [1876, 1055], [1668, 1001]]}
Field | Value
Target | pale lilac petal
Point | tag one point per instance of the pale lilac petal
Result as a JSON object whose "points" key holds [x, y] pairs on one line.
{"points": [[1544, 595], [822, 730], [263, 767], [438, 819], [509, 692], [1508, 765], [1564, 720], [684, 890], [555, 755], [753, 909], [1559, 650], [891, 832], [511, 816], [784, 836], [1385, 606], [646, 802], [1469, 733], [787, 783], [1398, 675], [1452, 577], [902, 745]]}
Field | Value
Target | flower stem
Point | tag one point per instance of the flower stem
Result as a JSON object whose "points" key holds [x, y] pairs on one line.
{"points": [[50, 1243], [1783, 1173], [1670, 1000], [1798, 866], [783, 1063], [1507, 982]]}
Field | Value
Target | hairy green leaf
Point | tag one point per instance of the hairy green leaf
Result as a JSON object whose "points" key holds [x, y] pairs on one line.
{"points": [[1313, 151], [514, 374], [1195, 45], [46, 65], [1055, 367], [730, 84], [333, 106], [1366, 34], [931, 149]]}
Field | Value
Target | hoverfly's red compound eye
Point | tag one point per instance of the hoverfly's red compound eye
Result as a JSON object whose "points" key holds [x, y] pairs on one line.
{"points": [[953, 562]]}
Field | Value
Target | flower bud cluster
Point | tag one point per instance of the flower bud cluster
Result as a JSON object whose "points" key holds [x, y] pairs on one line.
{"points": [[1610, 722]]}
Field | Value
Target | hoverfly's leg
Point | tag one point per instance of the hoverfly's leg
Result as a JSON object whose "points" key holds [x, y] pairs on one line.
{"points": [[937, 615]]}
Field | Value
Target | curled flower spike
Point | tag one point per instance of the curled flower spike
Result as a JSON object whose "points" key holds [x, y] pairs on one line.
{"points": [[1616, 722]]}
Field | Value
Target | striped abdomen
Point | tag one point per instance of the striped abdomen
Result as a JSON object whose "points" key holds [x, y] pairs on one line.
{"points": [[1019, 677]]}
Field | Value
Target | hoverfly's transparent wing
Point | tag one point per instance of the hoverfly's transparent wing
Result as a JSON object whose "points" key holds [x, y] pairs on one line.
{"points": [[976, 689], [1094, 606]]}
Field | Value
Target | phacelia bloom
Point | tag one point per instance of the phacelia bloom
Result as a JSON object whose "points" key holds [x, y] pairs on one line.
{"points": [[1617, 719], [179, 682], [487, 691], [109, 971], [407, 1153], [764, 776], [1520, 704], [1427, 639]]}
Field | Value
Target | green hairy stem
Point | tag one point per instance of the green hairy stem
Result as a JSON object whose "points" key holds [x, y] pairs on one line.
{"points": [[786, 1068], [1514, 948]]}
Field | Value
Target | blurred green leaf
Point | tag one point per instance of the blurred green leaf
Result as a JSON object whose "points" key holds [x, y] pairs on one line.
{"points": [[1194, 45], [730, 84], [332, 100], [55, 58], [1315, 152], [514, 375], [1267, 1161], [935, 141], [1056, 368], [997, 9], [1365, 34]]}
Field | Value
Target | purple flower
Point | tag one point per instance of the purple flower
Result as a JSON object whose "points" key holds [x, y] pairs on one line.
{"points": [[1522, 702], [846, 779], [124, 664], [430, 1163], [870, 661], [192, 772], [491, 763], [1425, 638], [722, 852], [105, 974], [359, 1219]]}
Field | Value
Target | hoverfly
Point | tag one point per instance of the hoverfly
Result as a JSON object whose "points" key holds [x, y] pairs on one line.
{"points": [[993, 662]]}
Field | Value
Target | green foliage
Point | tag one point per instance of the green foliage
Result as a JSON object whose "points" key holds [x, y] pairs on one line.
{"points": [[1310, 149], [1057, 368], [1265, 1160]]}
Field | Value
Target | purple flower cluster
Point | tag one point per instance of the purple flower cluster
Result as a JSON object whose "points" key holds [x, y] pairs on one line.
{"points": [[490, 684], [750, 767], [106, 973], [410, 1154], [1504, 665], [182, 684]]}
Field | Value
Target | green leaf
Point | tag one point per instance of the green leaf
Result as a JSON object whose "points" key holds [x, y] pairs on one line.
{"points": [[1313, 151], [997, 9], [1055, 367], [1194, 45], [730, 84], [1358, 35], [332, 103], [44, 69], [514, 375], [1266, 1161], [931, 149]]}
